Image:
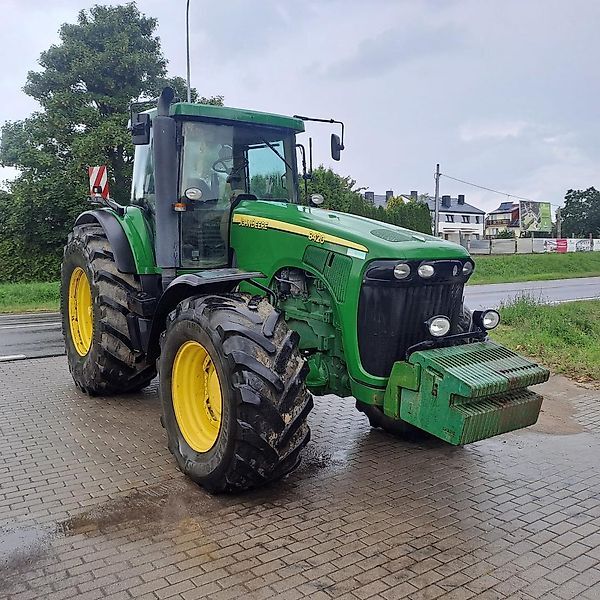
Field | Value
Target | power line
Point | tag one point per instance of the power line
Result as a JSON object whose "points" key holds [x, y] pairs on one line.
{"points": [[483, 187]]}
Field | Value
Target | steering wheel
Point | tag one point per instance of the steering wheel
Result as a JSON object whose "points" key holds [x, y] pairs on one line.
{"points": [[220, 165]]}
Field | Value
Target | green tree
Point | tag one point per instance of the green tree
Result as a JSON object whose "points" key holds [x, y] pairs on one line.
{"points": [[340, 192], [581, 214], [505, 234], [413, 214], [109, 57]]}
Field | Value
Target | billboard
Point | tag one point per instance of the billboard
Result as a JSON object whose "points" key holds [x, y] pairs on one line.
{"points": [[535, 216]]}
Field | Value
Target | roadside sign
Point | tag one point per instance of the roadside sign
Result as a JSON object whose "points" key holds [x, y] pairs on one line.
{"points": [[98, 181]]}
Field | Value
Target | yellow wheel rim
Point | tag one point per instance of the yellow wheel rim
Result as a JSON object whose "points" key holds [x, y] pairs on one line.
{"points": [[197, 398], [81, 309]]}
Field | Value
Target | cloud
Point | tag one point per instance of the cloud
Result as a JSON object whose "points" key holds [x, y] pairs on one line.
{"points": [[392, 48], [493, 130]]}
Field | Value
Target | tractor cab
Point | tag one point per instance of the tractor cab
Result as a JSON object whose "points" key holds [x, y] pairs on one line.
{"points": [[218, 156]]}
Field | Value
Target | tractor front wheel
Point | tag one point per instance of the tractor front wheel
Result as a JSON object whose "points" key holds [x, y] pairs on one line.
{"points": [[232, 391]]}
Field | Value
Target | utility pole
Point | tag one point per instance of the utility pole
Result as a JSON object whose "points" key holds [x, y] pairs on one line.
{"points": [[558, 224], [436, 212], [187, 43]]}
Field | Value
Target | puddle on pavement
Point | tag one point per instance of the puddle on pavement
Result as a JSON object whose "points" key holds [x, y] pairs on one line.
{"points": [[174, 502], [171, 502], [557, 417], [20, 547], [316, 458]]}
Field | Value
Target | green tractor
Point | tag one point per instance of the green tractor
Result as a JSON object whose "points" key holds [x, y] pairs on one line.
{"points": [[247, 301]]}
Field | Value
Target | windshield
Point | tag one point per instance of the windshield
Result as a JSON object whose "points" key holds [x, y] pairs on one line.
{"points": [[224, 161]]}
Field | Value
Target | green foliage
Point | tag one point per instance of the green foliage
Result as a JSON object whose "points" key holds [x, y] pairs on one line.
{"points": [[505, 235], [86, 82], [581, 213], [535, 267], [341, 194], [413, 214], [268, 186], [563, 337], [19, 297]]}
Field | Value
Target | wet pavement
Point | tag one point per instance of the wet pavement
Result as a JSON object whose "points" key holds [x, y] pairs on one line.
{"points": [[92, 506]]}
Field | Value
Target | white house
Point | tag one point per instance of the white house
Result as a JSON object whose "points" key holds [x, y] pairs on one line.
{"points": [[458, 221]]}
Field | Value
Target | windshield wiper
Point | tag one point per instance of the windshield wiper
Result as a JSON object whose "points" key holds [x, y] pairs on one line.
{"points": [[287, 164]]}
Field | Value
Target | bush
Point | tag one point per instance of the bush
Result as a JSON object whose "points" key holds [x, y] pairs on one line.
{"points": [[19, 263]]}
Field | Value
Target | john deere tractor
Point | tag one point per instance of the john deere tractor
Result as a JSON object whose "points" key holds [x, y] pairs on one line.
{"points": [[248, 301]]}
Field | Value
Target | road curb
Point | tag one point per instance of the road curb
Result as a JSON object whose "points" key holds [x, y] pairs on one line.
{"points": [[11, 357]]}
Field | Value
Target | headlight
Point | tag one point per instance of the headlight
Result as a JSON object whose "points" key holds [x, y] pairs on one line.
{"points": [[426, 271], [401, 271], [438, 326], [467, 268], [486, 319], [490, 319]]}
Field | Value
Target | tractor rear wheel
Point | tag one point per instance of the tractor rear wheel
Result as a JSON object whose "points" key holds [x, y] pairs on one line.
{"points": [[93, 298], [233, 394]]}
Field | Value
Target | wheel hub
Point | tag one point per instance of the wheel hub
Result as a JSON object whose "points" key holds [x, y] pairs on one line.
{"points": [[197, 398], [81, 310]]}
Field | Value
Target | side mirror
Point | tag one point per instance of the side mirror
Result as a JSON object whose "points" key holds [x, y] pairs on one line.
{"points": [[140, 129], [336, 146]]}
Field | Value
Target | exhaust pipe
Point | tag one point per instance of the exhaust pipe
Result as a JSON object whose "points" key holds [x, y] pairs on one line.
{"points": [[165, 170]]}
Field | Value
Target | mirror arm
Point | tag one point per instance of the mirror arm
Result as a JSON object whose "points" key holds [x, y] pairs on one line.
{"points": [[305, 175], [341, 123]]}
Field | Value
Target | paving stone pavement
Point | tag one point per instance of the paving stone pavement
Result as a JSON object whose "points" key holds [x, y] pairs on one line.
{"points": [[92, 506]]}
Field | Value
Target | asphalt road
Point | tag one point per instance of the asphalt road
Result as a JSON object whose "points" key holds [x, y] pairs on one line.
{"points": [[558, 290], [29, 336], [36, 335]]}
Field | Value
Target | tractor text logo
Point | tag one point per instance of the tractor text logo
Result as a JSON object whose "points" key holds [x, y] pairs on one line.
{"points": [[254, 223], [315, 236]]}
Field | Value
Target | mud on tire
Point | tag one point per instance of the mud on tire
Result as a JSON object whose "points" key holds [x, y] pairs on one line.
{"points": [[265, 402], [111, 365]]}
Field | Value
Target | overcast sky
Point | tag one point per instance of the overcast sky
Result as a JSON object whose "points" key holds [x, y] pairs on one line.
{"points": [[504, 93]]}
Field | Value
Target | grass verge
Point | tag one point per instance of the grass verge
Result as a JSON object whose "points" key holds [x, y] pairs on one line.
{"points": [[535, 267], [29, 297], [563, 337]]}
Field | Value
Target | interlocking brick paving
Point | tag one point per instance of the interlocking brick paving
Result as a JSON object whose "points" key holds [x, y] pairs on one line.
{"points": [[92, 506]]}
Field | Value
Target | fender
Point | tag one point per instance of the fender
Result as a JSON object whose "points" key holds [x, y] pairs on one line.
{"points": [[185, 286], [116, 237]]}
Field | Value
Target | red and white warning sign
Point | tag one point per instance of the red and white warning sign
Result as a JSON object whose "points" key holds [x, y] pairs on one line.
{"points": [[98, 181]]}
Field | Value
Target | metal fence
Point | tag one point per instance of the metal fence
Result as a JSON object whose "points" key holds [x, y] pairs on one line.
{"points": [[533, 246]]}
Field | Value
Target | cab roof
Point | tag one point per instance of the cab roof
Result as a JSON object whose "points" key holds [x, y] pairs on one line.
{"points": [[209, 111]]}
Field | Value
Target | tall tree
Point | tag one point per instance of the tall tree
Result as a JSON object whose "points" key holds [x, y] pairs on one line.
{"points": [[108, 58], [581, 213]]}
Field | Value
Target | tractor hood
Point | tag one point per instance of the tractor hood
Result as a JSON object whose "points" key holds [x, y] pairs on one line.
{"points": [[357, 234]]}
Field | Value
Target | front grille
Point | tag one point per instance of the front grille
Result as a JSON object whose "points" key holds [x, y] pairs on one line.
{"points": [[391, 317]]}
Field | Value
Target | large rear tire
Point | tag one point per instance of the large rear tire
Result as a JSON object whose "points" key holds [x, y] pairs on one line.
{"points": [[233, 394], [94, 310]]}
